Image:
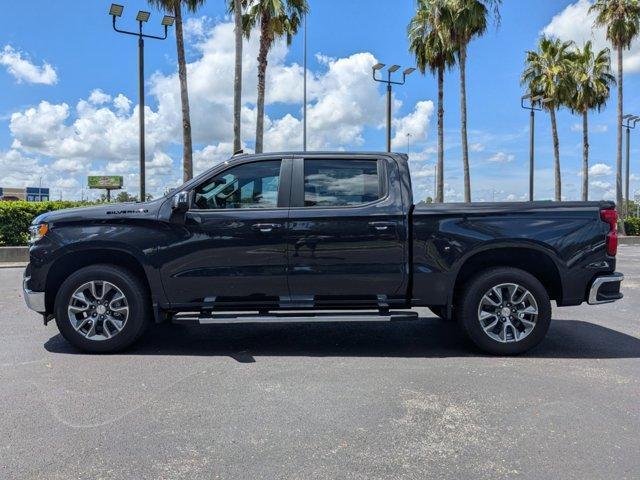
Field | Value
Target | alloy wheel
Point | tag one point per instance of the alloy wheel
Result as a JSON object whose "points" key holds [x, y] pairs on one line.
{"points": [[98, 310], [508, 312]]}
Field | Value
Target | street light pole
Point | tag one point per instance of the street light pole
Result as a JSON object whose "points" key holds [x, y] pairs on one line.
{"points": [[630, 124], [405, 73], [142, 17], [304, 100], [141, 117], [532, 123]]}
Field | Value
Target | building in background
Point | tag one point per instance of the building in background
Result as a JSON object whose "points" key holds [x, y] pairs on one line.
{"points": [[30, 194]]}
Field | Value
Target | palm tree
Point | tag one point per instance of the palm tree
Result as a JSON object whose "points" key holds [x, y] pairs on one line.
{"points": [[429, 33], [276, 18], [548, 74], [593, 80], [236, 7], [175, 7], [621, 18], [469, 21]]}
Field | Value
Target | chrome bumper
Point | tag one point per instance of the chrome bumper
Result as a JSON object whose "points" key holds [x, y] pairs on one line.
{"points": [[596, 296], [34, 300]]}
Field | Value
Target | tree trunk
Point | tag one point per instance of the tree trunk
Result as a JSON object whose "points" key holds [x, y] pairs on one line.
{"points": [[187, 155], [262, 73], [237, 81], [556, 152], [619, 200], [463, 122], [585, 156], [440, 193]]}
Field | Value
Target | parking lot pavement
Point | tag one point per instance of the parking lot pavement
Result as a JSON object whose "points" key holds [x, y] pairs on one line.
{"points": [[363, 401]]}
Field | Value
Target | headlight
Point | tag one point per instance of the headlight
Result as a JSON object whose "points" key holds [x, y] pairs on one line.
{"points": [[36, 232]]}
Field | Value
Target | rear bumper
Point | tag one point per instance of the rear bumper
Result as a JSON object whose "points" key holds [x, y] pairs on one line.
{"points": [[34, 300], [605, 289]]}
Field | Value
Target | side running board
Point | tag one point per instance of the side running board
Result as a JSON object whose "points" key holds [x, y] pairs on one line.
{"points": [[292, 317]]}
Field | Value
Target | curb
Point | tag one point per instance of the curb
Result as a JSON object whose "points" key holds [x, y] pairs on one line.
{"points": [[14, 254], [629, 240]]}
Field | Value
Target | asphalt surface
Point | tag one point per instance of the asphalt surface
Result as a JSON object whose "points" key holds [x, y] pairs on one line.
{"points": [[324, 401]]}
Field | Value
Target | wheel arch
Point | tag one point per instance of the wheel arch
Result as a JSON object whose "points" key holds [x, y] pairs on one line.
{"points": [[535, 261], [72, 261]]}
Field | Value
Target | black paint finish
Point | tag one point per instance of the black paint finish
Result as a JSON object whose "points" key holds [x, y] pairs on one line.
{"points": [[384, 253]]}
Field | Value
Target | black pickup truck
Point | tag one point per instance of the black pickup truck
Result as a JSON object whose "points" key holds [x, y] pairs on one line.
{"points": [[317, 237]]}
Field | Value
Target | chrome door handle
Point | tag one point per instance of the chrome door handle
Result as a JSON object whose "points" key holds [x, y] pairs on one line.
{"points": [[381, 226], [265, 227]]}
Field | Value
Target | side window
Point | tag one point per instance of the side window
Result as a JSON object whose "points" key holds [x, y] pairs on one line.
{"points": [[340, 183], [251, 185]]}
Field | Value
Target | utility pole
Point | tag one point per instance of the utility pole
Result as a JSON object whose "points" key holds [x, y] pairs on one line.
{"points": [[304, 95], [533, 101], [629, 122]]}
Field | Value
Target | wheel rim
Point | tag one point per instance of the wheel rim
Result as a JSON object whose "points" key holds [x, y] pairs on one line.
{"points": [[508, 313], [98, 310]]}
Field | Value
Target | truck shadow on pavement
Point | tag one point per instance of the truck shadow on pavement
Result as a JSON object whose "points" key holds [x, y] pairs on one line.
{"points": [[426, 337]]}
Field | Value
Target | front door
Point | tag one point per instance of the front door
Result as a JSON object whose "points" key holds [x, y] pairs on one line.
{"points": [[233, 252], [347, 232]]}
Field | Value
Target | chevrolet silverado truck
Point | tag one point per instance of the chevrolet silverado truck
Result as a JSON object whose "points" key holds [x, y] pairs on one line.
{"points": [[290, 237]]}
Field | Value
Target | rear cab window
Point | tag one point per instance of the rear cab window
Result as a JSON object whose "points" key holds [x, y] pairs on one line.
{"points": [[341, 183]]}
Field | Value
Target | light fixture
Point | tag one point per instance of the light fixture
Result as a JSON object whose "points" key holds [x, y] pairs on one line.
{"points": [[378, 66], [408, 71], [143, 16], [393, 68], [116, 10], [167, 20], [626, 117]]}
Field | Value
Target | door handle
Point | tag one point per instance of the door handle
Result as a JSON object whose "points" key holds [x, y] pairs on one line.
{"points": [[265, 227], [381, 226]]}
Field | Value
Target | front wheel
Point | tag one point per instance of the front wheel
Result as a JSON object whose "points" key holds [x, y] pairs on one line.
{"points": [[504, 311], [102, 308]]}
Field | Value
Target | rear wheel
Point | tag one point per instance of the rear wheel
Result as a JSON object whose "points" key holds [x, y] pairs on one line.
{"points": [[504, 311], [102, 308]]}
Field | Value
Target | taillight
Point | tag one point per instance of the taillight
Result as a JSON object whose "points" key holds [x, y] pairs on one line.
{"points": [[611, 218]]}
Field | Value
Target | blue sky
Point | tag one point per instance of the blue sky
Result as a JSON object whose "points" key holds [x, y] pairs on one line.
{"points": [[69, 84]]}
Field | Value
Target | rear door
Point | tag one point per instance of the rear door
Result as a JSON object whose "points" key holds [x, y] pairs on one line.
{"points": [[347, 232]]}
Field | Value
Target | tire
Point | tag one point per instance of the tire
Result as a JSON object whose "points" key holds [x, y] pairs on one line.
{"points": [[121, 291], [513, 334]]}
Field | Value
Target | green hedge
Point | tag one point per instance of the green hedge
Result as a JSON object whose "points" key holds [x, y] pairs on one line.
{"points": [[15, 218], [632, 226]]}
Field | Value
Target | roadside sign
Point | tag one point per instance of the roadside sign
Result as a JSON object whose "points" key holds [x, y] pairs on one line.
{"points": [[107, 182]]}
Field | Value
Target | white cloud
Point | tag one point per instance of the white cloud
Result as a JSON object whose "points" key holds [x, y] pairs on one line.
{"points": [[600, 184], [69, 165], [476, 147], [19, 66], [99, 135], [502, 157], [597, 128], [98, 97], [600, 170], [576, 23], [416, 124]]}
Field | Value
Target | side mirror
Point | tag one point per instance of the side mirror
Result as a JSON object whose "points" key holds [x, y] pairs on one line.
{"points": [[180, 202]]}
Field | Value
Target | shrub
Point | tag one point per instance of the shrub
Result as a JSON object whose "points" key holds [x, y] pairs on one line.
{"points": [[15, 218], [632, 226]]}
